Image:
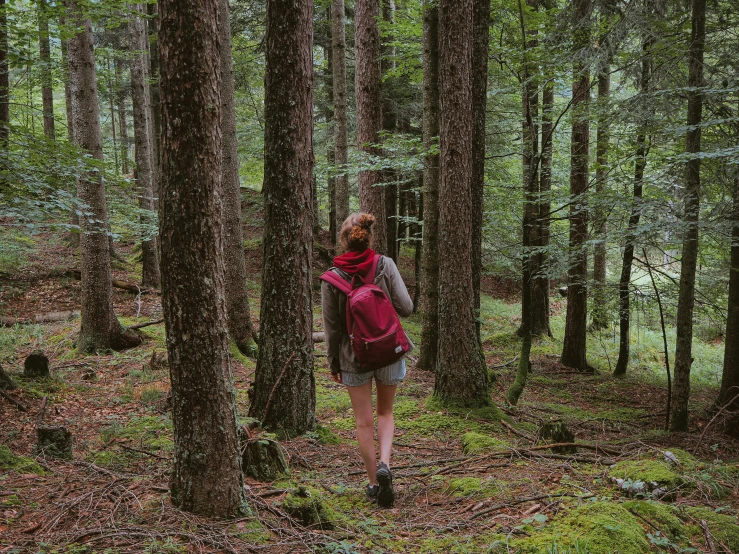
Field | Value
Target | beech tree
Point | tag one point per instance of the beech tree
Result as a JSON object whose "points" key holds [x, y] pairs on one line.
{"points": [[206, 475], [286, 327], [460, 372]]}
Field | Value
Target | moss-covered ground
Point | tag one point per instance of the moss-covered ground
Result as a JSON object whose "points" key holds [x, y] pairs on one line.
{"points": [[466, 481]]}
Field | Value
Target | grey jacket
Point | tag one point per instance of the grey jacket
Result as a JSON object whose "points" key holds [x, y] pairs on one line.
{"points": [[339, 348]]}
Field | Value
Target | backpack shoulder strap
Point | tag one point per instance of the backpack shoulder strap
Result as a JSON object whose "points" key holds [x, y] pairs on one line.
{"points": [[336, 280], [372, 273]]}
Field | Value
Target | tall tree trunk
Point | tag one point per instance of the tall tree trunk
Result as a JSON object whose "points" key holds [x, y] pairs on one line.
{"points": [[417, 252], [122, 116], [73, 237], [156, 107], [574, 349], [341, 157], [539, 262], [111, 98], [368, 76], [47, 83], [286, 332], [329, 115], [143, 140], [460, 372], [237, 300], [480, 47], [430, 257], [640, 164], [206, 477], [4, 94], [730, 377], [686, 294], [100, 329], [389, 125]]}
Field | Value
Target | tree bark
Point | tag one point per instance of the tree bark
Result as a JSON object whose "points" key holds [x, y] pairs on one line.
{"points": [[461, 375], [686, 294], [156, 107], [4, 89], [100, 329], [574, 349], [47, 83], [73, 237], [143, 140], [730, 377], [206, 477], [368, 76], [430, 256], [237, 300], [640, 164], [286, 332], [122, 116], [480, 47], [341, 149], [389, 125]]}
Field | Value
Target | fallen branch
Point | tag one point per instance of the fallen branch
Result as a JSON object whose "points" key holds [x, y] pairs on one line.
{"points": [[13, 401], [513, 361], [594, 447], [142, 325], [515, 431], [524, 500], [50, 317], [40, 418], [142, 452], [729, 403], [709, 538]]}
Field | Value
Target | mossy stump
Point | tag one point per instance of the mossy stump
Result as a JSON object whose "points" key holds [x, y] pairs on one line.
{"points": [[307, 507], [36, 365], [54, 441], [263, 460], [552, 432], [6, 382]]}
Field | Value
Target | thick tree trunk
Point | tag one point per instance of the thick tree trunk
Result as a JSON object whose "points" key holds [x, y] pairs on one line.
{"points": [[47, 83], [122, 116], [640, 164], [341, 157], [480, 46], [430, 257], [686, 294], [237, 300], [539, 262], [285, 361], [143, 140], [368, 76], [460, 373], [156, 107], [730, 378], [206, 477], [574, 349], [100, 330]]}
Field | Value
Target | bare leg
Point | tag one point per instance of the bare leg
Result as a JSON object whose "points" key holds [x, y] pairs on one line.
{"points": [[385, 421], [361, 398]]}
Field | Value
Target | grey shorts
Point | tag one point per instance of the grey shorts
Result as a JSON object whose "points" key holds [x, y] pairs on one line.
{"points": [[388, 375]]}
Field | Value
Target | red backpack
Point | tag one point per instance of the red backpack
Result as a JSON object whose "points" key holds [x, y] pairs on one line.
{"points": [[373, 325]]}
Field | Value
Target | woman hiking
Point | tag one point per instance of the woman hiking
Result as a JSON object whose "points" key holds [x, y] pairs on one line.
{"points": [[359, 265]]}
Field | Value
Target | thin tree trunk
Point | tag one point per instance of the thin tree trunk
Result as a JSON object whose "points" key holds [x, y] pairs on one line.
{"points": [[368, 76], [4, 92], [286, 332], [686, 294], [73, 237], [341, 158], [389, 125], [418, 252], [640, 164], [47, 83], [237, 299], [730, 377], [143, 140], [461, 375], [480, 47], [111, 95], [156, 107], [206, 475], [430, 257], [122, 117], [100, 329], [329, 115], [574, 349]]}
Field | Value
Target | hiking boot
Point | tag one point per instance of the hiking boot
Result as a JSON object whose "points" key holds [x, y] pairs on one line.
{"points": [[372, 491], [386, 494]]}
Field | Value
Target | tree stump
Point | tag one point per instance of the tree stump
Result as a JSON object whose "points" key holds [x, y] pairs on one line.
{"points": [[556, 432], [6, 382], [36, 365], [54, 441], [263, 460]]}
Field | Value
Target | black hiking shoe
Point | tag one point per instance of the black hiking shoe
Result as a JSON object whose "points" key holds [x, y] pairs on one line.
{"points": [[386, 494], [372, 491]]}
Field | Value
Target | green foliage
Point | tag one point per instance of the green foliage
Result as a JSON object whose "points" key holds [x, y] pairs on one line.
{"points": [[19, 464]]}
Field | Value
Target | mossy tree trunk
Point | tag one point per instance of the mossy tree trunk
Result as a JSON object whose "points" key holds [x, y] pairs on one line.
{"points": [[430, 257], [575, 344], [237, 299], [206, 477], [285, 361], [461, 375], [100, 329], [691, 199], [341, 133]]}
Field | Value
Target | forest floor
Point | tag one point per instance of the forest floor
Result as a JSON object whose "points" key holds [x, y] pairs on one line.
{"points": [[467, 481]]}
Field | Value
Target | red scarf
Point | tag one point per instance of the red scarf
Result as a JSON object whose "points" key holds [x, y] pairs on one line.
{"points": [[356, 263]]}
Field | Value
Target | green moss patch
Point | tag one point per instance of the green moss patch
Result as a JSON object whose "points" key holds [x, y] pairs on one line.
{"points": [[596, 528], [723, 527], [647, 471], [475, 443], [306, 506], [474, 487], [19, 464], [662, 515]]}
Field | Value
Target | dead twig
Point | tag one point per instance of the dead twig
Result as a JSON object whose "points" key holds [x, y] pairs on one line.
{"points": [[274, 388], [513, 361], [524, 500], [729, 403], [142, 325], [515, 431], [13, 401], [132, 449], [40, 418], [709, 538]]}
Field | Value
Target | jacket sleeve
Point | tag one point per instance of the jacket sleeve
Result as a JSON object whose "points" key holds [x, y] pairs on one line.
{"points": [[331, 325], [399, 296]]}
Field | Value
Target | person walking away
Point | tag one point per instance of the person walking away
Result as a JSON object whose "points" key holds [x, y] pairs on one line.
{"points": [[354, 355]]}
